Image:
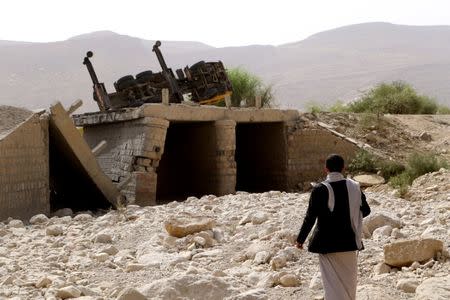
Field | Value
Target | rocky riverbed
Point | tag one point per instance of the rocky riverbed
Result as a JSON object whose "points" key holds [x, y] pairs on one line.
{"points": [[230, 247]]}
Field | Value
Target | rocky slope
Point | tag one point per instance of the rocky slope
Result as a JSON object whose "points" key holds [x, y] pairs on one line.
{"points": [[231, 247], [392, 136]]}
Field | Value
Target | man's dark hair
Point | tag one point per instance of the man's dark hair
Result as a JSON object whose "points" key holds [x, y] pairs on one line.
{"points": [[335, 163]]}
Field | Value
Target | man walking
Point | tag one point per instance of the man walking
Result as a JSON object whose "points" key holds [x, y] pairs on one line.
{"points": [[339, 206]]}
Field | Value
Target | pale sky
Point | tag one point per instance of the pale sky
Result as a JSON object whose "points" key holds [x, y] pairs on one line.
{"points": [[217, 23]]}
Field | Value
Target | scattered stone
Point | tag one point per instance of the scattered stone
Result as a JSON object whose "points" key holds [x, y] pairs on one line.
{"points": [[259, 218], [54, 230], [433, 232], [63, 212], [289, 280], [134, 267], [183, 226], [435, 288], [261, 257], [187, 287], [376, 220], [370, 292], [103, 238], [101, 257], [278, 262], [68, 292], [369, 180], [16, 224], [316, 282], [38, 219], [408, 285], [43, 282], [200, 241], [425, 136], [404, 253], [82, 217], [382, 232], [110, 250], [255, 294], [130, 294], [381, 268], [397, 234]]}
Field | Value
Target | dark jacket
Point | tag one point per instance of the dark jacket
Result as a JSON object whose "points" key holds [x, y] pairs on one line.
{"points": [[333, 231]]}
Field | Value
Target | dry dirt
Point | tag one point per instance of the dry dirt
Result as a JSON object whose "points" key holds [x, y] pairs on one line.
{"points": [[393, 136], [10, 117]]}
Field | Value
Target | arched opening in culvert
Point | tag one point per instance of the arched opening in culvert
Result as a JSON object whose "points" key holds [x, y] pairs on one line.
{"points": [[188, 164], [261, 157]]}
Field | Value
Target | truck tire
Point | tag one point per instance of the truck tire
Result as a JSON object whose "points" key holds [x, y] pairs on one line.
{"points": [[144, 76], [198, 64], [125, 82]]}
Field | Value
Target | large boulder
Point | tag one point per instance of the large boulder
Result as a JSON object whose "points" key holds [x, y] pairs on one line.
{"points": [[435, 288], [404, 253], [376, 220], [183, 226], [367, 180]]}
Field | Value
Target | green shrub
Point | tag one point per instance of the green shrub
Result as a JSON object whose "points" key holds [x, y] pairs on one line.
{"points": [[246, 87], [362, 162], [315, 108], [369, 121], [401, 182], [390, 168], [418, 165], [338, 106], [394, 98], [443, 110]]}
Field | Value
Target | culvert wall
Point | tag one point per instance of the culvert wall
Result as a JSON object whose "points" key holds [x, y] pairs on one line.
{"points": [[24, 170]]}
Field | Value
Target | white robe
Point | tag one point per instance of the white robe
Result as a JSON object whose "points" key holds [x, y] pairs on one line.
{"points": [[339, 275]]}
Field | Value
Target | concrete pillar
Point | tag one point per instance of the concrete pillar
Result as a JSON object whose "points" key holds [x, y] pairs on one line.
{"points": [[146, 161], [225, 177]]}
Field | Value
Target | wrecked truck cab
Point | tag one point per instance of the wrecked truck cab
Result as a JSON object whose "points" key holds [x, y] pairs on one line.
{"points": [[203, 83]]}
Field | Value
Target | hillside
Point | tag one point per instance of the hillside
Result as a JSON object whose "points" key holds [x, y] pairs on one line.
{"points": [[331, 65]]}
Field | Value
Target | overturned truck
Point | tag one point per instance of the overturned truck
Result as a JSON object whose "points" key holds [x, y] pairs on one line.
{"points": [[203, 82]]}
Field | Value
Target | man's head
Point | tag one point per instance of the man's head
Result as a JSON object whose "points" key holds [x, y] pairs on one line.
{"points": [[334, 163]]}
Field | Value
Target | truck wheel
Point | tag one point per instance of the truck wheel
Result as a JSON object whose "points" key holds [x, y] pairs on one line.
{"points": [[144, 76], [198, 64], [125, 82]]}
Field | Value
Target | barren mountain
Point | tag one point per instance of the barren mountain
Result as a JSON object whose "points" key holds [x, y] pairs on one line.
{"points": [[331, 65]]}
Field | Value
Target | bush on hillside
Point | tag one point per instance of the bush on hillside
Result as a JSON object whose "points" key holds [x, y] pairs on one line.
{"points": [[363, 162], [366, 162], [246, 87], [394, 98], [443, 110], [418, 165]]}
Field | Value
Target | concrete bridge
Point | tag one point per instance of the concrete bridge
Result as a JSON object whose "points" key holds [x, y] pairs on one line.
{"points": [[170, 152]]}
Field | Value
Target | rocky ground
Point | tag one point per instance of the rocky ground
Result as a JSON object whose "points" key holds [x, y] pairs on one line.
{"points": [[230, 247]]}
